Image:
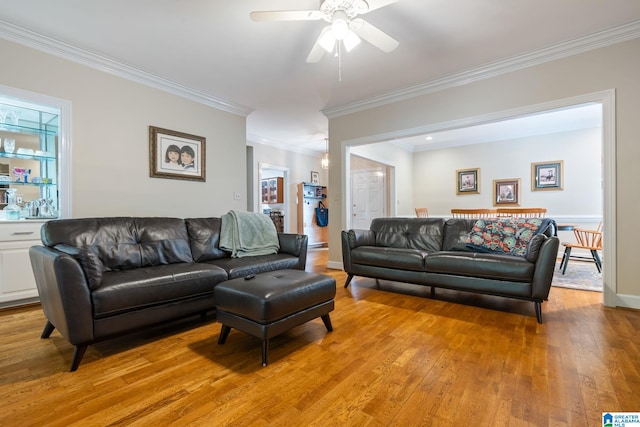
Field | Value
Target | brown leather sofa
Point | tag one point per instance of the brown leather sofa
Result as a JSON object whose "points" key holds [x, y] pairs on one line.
{"points": [[434, 252], [102, 277]]}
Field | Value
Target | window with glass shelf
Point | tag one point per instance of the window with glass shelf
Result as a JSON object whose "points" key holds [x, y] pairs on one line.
{"points": [[28, 159]]}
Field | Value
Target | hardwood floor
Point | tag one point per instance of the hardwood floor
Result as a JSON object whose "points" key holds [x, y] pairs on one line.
{"points": [[394, 358]]}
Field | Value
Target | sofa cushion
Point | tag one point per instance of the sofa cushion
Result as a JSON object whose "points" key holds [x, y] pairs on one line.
{"points": [[240, 267], [90, 263], [409, 233], [397, 258], [505, 235], [131, 290], [483, 265], [456, 233], [122, 242], [204, 238]]}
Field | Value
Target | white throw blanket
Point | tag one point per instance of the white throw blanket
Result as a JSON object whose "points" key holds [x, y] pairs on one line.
{"points": [[248, 234]]}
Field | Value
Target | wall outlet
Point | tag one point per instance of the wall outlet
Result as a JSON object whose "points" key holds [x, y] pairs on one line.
{"points": [[236, 196]]}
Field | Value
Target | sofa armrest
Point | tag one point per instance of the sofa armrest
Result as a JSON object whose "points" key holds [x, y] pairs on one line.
{"points": [[357, 238], [545, 266], [296, 245], [64, 293], [352, 239]]}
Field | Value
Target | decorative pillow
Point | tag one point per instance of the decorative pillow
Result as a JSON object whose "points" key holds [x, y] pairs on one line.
{"points": [[506, 236], [90, 263], [533, 250]]}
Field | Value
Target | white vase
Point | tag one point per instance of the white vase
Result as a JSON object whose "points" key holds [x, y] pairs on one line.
{"points": [[9, 145]]}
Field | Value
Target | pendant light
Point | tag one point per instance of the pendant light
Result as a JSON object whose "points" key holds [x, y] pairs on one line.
{"points": [[325, 158]]}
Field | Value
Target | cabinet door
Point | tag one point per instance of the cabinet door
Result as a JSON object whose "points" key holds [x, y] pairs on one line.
{"points": [[16, 277]]}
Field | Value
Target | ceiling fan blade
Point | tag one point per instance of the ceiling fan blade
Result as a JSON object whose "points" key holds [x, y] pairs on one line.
{"points": [[286, 15], [377, 4], [373, 35], [317, 51]]}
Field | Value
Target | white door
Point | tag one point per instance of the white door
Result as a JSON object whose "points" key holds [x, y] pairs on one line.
{"points": [[367, 197]]}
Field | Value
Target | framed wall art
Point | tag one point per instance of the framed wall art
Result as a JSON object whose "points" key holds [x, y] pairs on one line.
{"points": [[547, 175], [506, 192], [468, 181], [176, 155], [315, 177]]}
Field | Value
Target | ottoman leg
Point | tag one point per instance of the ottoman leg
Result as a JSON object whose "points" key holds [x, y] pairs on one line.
{"points": [[327, 322], [224, 333], [265, 350]]}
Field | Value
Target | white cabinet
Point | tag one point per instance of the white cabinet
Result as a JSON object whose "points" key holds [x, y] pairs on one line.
{"points": [[17, 285], [35, 154]]}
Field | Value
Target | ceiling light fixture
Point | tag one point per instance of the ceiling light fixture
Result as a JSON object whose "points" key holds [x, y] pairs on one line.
{"points": [[325, 158]]}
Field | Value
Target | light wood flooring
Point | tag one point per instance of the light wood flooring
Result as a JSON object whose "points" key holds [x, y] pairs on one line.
{"points": [[395, 358]]}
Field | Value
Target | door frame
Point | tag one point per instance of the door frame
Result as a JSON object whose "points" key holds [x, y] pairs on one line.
{"points": [[606, 98]]}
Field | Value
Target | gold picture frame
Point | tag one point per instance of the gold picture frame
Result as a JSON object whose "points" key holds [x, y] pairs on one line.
{"points": [[189, 164], [467, 181], [506, 192], [547, 176]]}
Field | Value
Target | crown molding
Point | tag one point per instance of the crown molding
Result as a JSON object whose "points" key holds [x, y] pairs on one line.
{"points": [[63, 50], [597, 40]]}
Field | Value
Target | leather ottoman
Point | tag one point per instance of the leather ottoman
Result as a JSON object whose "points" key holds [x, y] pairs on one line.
{"points": [[268, 304]]}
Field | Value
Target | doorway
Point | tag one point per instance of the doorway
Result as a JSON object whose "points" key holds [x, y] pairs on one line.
{"points": [[605, 98], [279, 206]]}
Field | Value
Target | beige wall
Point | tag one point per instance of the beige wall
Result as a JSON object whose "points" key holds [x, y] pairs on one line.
{"points": [[110, 142], [613, 67]]}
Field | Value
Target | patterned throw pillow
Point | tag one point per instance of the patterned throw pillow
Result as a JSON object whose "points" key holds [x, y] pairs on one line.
{"points": [[506, 236]]}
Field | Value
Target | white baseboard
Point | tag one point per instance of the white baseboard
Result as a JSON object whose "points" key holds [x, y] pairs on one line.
{"points": [[335, 265], [628, 301]]}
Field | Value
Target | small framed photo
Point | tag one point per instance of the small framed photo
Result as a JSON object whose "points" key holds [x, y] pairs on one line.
{"points": [[468, 181], [547, 175], [315, 177], [506, 192], [176, 155]]}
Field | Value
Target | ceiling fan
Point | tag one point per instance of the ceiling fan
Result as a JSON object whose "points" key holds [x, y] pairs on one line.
{"points": [[345, 25]]}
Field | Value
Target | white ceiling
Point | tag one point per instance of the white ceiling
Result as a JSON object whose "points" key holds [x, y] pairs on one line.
{"points": [[213, 51]]}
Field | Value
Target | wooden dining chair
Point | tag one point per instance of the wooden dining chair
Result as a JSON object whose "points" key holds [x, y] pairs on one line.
{"points": [[473, 213], [422, 212], [522, 212], [590, 240]]}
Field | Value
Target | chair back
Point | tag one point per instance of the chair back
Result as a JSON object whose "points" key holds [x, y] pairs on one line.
{"points": [[422, 212], [588, 239], [522, 212], [473, 213]]}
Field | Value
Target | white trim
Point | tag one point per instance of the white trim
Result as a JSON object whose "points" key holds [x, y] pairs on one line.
{"points": [[56, 106], [606, 98], [598, 40], [335, 265], [60, 49], [628, 301]]}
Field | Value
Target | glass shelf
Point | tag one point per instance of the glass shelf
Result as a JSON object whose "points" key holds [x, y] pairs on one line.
{"points": [[33, 184], [45, 156]]}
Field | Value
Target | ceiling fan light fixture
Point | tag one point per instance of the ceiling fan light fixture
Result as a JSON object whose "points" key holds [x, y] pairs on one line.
{"points": [[327, 41], [340, 25], [352, 40]]}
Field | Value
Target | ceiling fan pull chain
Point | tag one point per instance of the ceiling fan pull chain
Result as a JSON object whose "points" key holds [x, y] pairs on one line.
{"points": [[339, 52]]}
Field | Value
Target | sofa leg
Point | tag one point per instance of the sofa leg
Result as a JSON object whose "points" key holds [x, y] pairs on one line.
{"points": [[265, 350], [48, 328], [327, 322], [433, 292], [349, 277], [538, 306], [78, 354], [224, 333]]}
